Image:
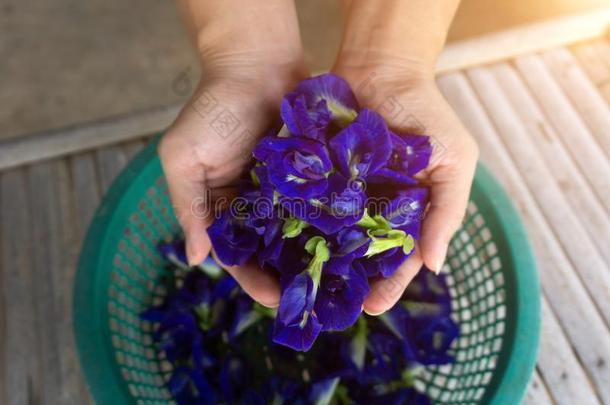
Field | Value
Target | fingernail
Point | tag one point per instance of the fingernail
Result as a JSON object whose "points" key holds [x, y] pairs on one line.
{"points": [[439, 266], [191, 254], [374, 313]]}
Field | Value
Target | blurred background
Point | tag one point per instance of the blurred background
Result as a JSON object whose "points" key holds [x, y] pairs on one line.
{"points": [[65, 62]]}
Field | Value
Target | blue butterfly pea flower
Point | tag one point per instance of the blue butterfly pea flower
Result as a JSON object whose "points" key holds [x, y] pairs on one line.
{"points": [[363, 147], [316, 103], [341, 205], [341, 295], [409, 155], [297, 167], [233, 240]]}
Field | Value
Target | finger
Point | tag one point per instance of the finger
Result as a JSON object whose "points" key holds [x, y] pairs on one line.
{"points": [[259, 284], [386, 292], [186, 181], [449, 194]]}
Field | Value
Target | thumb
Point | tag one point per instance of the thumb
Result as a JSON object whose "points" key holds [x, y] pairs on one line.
{"points": [[449, 194], [190, 200]]}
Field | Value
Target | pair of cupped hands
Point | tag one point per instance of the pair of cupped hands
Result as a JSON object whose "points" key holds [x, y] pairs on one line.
{"points": [[237, 101]]}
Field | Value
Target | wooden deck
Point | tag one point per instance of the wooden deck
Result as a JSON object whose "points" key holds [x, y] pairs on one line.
{"points": [[542, 121]]}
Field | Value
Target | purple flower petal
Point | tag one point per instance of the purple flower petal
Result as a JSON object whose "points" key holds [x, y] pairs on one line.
{"points": [[295, 336], [363, 147], [406, 210], [297, 167], [410, 154], [340, 206], [258, 191], [350, 243], [310, 108], [175, 253], [232, 241], [301, 119], [431, 338], [384, 264], [297, 298], [340, 297], [273, 243]]}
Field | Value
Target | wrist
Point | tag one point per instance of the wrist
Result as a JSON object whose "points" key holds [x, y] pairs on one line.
{"points": [[241, 77], [373, 80], [402, 37]]}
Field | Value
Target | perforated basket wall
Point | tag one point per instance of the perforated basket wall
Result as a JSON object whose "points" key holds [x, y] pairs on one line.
{"points": [[492, 279]]}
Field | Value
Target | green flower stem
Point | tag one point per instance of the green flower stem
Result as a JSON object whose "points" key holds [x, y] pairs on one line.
{"points": [[318, 248], [383, 237]]}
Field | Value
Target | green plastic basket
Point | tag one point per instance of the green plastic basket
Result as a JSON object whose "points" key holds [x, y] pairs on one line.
{"points": [[493, 282]]}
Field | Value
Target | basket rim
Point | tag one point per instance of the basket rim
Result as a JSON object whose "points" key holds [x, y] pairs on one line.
{"points": [[93, 339], [509, 387]]}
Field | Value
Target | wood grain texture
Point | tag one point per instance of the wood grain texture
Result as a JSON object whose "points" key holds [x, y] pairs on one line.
{"points": [[73, 389], [22, 364], [46, 257], [592, 60], [86, 190], [61, 142], [545, 189], [581, 320], [569, 125], [558, 365], [110, 161], [583, 94], [537, 393]]}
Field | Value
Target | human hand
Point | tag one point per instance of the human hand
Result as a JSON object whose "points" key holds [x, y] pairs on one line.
{"points": [[247, 66], [205, 150], [408, 98]]}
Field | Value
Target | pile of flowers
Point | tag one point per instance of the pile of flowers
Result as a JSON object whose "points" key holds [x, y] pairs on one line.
{"points": [[330, 202], [218, 342]]}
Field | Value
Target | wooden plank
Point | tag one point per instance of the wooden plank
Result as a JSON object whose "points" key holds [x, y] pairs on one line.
{"points": [[581, 320], [46, 256], [563, 219], [537, 393], [110, 161], [559, 366], [132, 148], [86, 189], [21, 150], [574, 133], [535, 138], [589, 56], [3, 310], [86, 196], [538, 136], [583, 94], [21, 366], [73, 389], [524, 39], [604, 49]]}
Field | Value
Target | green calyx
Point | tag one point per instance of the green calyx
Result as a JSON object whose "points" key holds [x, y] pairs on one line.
{"points": [[392, 239], [383, 237], [342, 115], [377, 223], [318, 248], [293, 227]]}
